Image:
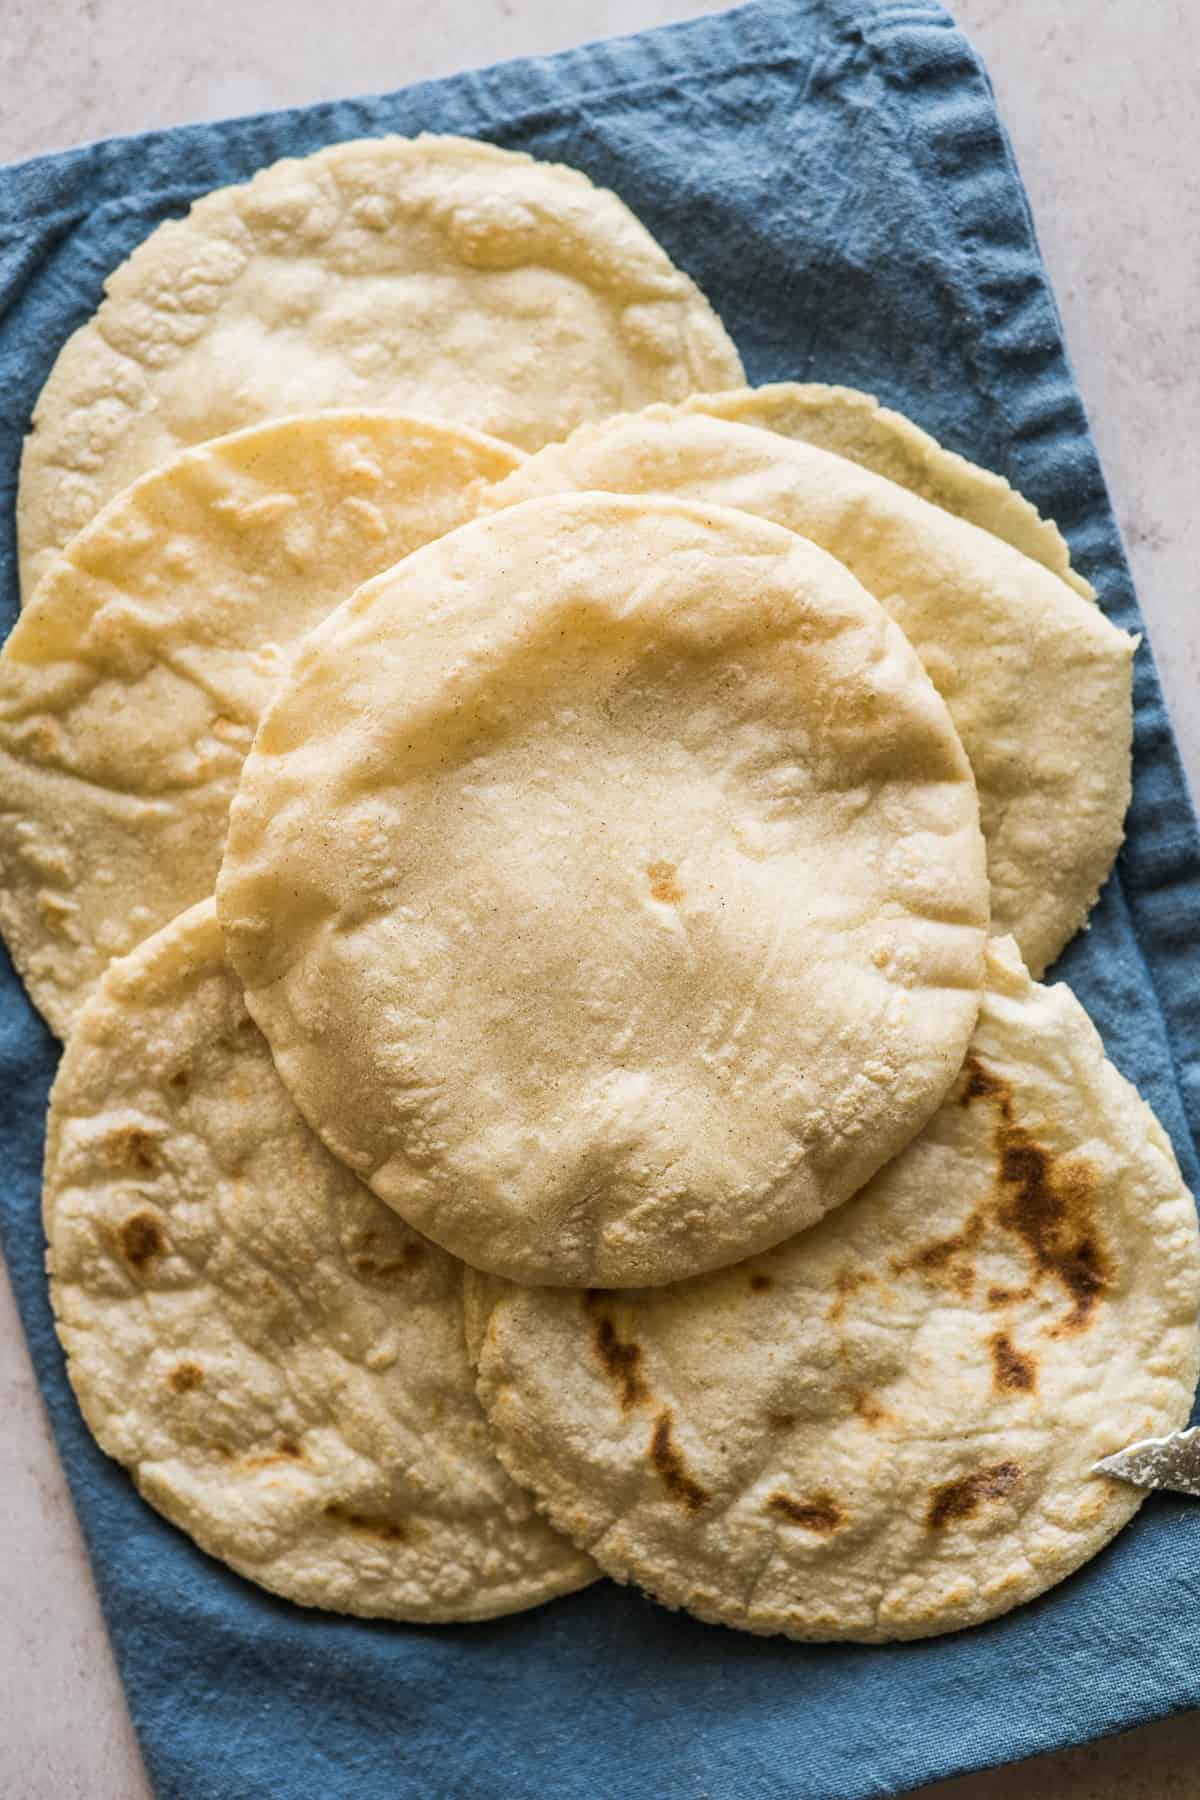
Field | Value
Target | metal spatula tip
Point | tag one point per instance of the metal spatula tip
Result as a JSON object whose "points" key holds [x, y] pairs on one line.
{"points": [[1168, 1462]]}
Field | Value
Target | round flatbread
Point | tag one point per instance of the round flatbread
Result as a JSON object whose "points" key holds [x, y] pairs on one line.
{"points": [[607, 880], [1038, 683], [854, 425], [886, 1427], [432, 274], [132, 684], [277, 1358]]}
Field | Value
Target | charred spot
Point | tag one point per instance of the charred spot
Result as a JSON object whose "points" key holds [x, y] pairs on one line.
{"points": [[1046, 1201], [184, 1377], [131, 1146], [979, 1083], [1047, 1204], [760, 1283], [369, 1268], [868, 1409], [937, 1255], [845, 1283], [941, 1259], [621, 1361], [781, 1421], [388, 1269], [663, 885], [389, 1531], [821, 1513], [180, 1081], [955, 1500], [1004, 1296], [141, 1239], [142, 1150], [672, 1470], [1012, 1372]]}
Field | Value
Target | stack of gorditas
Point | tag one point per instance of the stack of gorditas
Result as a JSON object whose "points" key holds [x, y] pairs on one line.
{"points": [[541, 857]]}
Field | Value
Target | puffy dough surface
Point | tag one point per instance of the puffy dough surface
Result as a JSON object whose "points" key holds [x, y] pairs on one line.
{"points": [[855, 425], [608, 882], [884, 1428], [433, 274], [1038, 683], [275, 1356], [132, 683]]}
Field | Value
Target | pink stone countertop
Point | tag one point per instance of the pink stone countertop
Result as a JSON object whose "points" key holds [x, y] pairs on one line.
{"points": [[1099, 98]]}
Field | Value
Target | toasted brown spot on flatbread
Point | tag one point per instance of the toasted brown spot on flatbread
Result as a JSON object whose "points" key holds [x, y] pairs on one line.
{"points": [[1004, 1296], [936, 1255], [663, 885], [621, 1360], [845, 1283], [389, 1531], [781, 1421], [948, 1259], [141, 1239], [1047, 1201], [960, 1499], [1012, 1372], [390, 1270], [184, 1377], [140, 1149], [979, 1083], [1048, 1204], [821, 1513], [130, 1146], [868, 1409], [672, 1470], [760, 1283], [181, 1080]]}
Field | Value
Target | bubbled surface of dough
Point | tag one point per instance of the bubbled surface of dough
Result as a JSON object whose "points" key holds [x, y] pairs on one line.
{"points": [[133, 681], [884, 1428], [277, 1359], [608, 881], [432, 274], [1037, 681]]}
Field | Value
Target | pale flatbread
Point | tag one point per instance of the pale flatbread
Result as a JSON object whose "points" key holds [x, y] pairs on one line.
{"points": [[608, 882], [1037, 681], [855, 425], [132, 684], [277, 1358], [432, 274], [885, 1428]]}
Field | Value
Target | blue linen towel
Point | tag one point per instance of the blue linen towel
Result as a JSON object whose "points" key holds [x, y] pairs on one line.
{"points": [[833, 174]]}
